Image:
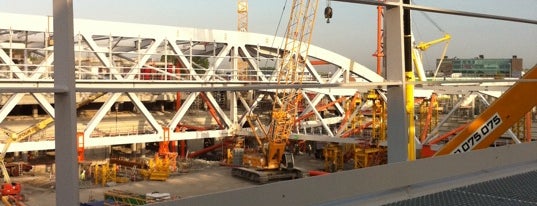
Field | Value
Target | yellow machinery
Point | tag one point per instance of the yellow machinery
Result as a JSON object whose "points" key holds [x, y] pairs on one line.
{"points": [[378, 115], [371, 152], [10, 190], [103, 173], [163, 163], [357, 120], [365, 157], [333, 157], [501, 115], [159, 169], [423, 46], [270, 161], [352, 121], [410, 77], [170, 158]]}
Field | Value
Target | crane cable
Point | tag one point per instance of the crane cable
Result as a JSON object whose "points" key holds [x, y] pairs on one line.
{"points": [[447, 43], [277, 28], [430, 19]]}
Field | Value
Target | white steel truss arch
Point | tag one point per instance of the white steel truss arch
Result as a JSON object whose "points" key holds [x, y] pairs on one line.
{"points": [[149, 57]]}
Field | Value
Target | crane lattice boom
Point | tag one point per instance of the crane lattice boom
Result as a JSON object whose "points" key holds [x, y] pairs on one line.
{"points": [[292, 66]]}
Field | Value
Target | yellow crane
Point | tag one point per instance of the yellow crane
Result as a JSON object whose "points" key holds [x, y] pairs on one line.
{"points": [[423, 46], [9, 189], [501, 115], [242, 19], [270, 161], [242, 26], [419, 70]]}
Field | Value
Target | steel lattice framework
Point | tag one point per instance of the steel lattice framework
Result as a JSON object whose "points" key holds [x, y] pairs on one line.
{"points": [[32, 78], [142, 63]]}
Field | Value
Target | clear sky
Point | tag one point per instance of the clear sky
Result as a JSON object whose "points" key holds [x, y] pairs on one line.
{"points": [[352, 31]]}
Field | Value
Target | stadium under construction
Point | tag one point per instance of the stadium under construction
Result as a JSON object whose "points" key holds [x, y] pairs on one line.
{"points": [[188, 106]]}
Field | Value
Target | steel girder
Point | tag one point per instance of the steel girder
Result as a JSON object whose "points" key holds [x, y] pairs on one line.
{"points": [[114, 57], [114, 54]]}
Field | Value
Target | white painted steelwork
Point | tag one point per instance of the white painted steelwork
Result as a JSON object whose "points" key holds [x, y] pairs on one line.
{"points": [[128, 60]]}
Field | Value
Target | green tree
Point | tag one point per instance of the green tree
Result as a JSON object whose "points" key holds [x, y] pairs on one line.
{"points": [[201, 61], [200, 64]]}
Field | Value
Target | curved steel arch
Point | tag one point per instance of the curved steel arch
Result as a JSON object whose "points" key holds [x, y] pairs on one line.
{"points": [[121, 52]]}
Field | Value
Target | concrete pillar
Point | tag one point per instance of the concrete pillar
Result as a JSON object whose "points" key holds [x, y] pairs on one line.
{"points": [[16, 155], [142, 149], [35, 111], [24, 156], [35, 154], [134, 149]]}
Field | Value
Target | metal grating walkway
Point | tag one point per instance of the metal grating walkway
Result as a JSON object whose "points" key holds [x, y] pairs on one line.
{"points": [[518, 189]]}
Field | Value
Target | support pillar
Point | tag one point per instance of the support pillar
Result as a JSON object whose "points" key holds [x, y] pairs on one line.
{"points": [[233, 110], [409, 77], [398, 129], [35, 111], [64, 97], [134, 150], [142, 149], [24, 156], [16, 155]]}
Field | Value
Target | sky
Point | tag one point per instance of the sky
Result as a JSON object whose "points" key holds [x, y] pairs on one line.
{"points": [[351, 32]]}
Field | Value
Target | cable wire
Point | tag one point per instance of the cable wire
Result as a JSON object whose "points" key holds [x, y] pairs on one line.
{"points": [[277, 28]]}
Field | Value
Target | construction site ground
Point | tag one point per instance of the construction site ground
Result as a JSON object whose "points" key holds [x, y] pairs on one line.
{"points": [[199, 177]]}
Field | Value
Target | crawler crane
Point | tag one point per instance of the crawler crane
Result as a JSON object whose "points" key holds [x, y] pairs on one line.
{"points": [[270, 161]]}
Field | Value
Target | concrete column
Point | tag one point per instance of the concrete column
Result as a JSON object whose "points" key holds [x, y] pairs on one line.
{"points": [[233, 110], [142, 149], [16, 155], [108, 150], [24, 156], [35, 111], [134, 149]]}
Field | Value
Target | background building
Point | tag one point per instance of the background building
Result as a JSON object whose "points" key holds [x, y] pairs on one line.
{"points": [[482, 67]]}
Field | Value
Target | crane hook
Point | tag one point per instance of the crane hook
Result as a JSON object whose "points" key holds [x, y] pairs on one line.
{"points": [[328, 13]]}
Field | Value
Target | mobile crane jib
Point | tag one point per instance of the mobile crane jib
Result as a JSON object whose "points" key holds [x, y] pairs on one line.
{"points": [[271, 161], [501, 115]]}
